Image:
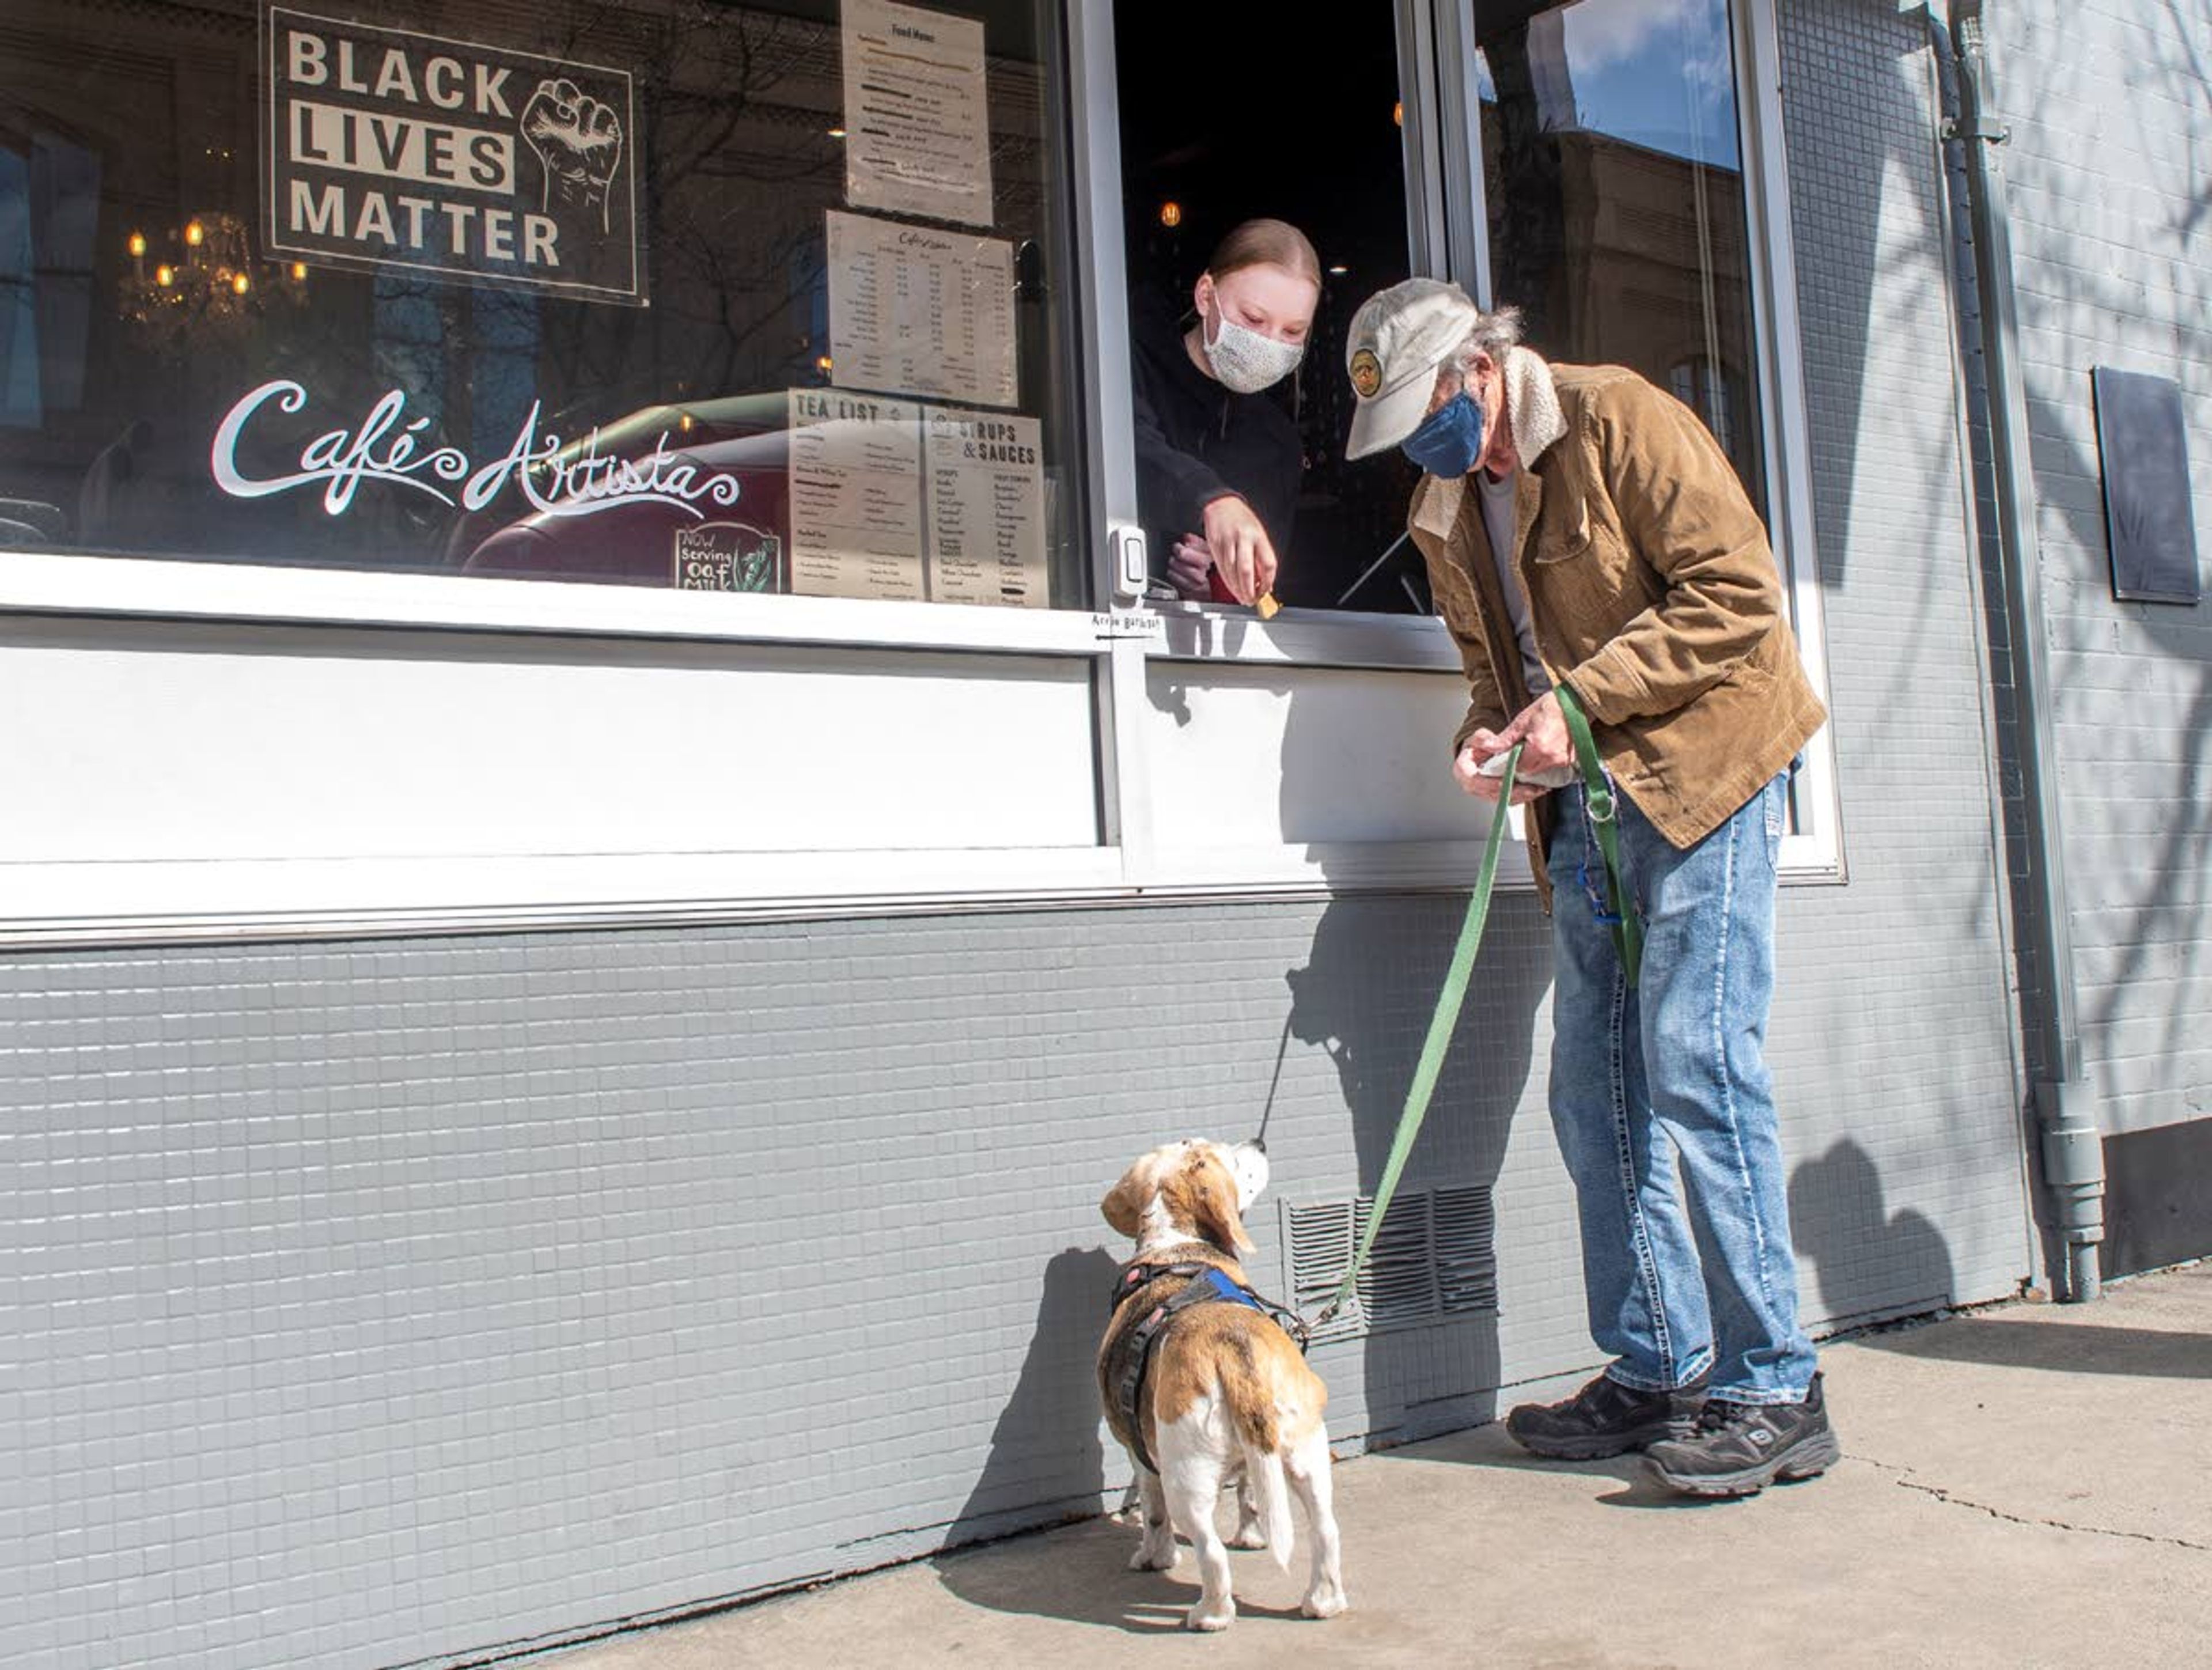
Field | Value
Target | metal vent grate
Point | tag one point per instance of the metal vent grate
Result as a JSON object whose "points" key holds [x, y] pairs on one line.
{"points": [[1435, 1258]]}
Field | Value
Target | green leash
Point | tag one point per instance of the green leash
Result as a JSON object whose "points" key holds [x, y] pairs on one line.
{"points": [[1605, 817], [1441, 1026], [1627, 940]]}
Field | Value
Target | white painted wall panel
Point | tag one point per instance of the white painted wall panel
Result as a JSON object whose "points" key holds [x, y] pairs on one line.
{"points": [[1245, 756], [218, 742]]}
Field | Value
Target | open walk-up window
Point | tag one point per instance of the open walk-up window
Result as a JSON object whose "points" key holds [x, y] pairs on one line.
{"points": [[577, 462]]}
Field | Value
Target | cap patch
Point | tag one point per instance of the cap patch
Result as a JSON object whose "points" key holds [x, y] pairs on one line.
{"points": [[1366, 373]]}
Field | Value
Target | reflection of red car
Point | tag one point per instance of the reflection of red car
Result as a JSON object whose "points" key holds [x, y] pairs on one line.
{"points": [[660, 538]]}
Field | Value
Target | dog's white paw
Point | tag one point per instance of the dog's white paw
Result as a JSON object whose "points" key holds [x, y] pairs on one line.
{"points": [[1150, 1558], [1208, 1623], [1324, 1603], [1248, 1536]]}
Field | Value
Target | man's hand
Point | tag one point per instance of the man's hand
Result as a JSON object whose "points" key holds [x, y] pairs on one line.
{"points": [[1540, 728], [1244, 556], [1485, 788], [1188, 564]]}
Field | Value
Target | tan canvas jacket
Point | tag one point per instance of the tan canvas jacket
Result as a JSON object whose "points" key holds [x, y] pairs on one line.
{"points": [[1652, 591]]}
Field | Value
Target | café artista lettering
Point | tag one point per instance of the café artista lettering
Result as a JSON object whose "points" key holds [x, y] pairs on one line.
{"points": [[390, 447]]}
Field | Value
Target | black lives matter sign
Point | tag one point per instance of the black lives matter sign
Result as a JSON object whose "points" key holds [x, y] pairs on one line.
{"points": [[396, 149]]}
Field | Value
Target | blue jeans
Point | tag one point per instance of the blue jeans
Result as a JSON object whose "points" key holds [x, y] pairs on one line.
{"points": [[1675, 1068]]}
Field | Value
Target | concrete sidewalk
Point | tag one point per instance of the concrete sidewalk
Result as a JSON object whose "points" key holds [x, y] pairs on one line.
{"points": [[2029, 1485]]}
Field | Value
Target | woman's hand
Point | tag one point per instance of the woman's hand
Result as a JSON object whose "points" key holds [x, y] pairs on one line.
{"points": [[1244, 556], [1188, 565]]}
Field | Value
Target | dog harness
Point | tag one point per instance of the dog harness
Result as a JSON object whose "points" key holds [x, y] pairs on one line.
{"points": [[1130, 1355]]}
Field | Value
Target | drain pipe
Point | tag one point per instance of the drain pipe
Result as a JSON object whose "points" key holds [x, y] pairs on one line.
{"points": [[2065, 1105]]}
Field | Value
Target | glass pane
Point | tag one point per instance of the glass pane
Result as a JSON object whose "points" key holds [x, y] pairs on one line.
{"points": [[555, 290], [1616, 197], [1224, 122]]}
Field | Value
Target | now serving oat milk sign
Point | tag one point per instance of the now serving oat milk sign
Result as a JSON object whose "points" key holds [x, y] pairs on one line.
{"points": [[388, 148]]}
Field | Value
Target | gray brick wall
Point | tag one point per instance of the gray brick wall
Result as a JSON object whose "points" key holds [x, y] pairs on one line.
{"points": [[370, 1302], [1923, 912], [367, 1303], [2109, 162]]}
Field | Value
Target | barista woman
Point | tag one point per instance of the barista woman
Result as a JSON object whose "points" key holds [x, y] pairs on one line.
{"points": [[1218, 461]]}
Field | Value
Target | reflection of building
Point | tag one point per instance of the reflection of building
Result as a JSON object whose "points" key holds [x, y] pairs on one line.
{"points": [[1617, 252], [1655, 276]]}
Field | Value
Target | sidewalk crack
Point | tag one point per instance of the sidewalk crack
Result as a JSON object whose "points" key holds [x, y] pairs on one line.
{"points": [[1906, 1477]]}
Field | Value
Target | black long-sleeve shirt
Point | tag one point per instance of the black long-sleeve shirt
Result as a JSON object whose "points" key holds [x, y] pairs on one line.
{"points": [[1197, 440]]}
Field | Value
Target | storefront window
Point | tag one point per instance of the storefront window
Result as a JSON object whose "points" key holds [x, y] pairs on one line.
{"points": [[1616, 192], [769, 298], [1221, 124]]}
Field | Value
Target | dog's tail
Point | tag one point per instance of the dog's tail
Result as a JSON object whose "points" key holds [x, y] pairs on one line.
{"points": [[1257, 1431]]}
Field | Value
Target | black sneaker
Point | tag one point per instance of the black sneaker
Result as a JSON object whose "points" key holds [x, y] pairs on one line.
{"points": [[1605, 1418], [1739, 1448]]}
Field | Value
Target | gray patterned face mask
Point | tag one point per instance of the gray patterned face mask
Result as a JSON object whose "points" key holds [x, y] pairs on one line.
{"points": [[1245, 360]]}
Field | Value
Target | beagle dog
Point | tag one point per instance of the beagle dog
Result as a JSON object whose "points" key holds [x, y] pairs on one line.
{"points": [[1201, 1382]]}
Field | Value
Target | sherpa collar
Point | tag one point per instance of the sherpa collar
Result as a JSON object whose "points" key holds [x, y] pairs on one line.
{"points": [[1532, 400]]}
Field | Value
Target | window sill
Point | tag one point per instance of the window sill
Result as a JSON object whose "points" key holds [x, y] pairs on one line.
{"points": [[150, 588], [153, 588], [1304, 637]]}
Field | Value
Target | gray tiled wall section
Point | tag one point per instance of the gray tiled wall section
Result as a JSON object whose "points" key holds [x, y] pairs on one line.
{"points": [[365, 1304], [1932, 1077], [2109, 159], [369, 1302]]}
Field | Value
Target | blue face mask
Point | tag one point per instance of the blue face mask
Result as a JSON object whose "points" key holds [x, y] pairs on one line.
{"points": [[1449, 438]]}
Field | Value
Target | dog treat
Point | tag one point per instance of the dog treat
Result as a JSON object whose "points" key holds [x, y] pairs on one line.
{"points": [[1268, 606]]}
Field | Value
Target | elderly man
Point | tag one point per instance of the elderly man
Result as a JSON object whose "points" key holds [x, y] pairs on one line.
{"points": [[1589, 546]]}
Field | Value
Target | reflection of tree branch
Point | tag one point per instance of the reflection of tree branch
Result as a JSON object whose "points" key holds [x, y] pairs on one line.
{"points": [[703, 74], [729, 59], [2188, 81], [732, 279]]}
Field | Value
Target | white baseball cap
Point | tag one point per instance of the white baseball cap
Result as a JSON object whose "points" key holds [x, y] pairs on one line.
{"points": [[1398, 338]]}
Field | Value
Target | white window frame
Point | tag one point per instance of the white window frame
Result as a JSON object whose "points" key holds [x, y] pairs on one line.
{"points": [[1121, 641], [1812, 849], [1447, 223]]}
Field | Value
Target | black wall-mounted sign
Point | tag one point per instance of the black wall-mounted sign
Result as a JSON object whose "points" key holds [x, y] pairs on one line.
{"points": [[2149, 518], [389, 148]]}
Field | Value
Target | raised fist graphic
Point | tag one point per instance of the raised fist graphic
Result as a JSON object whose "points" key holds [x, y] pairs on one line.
{"points": [[578, 143]]}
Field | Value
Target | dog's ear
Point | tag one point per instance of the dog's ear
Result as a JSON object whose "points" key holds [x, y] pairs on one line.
{"points": [[1211, 1189], [1123, 1203]]}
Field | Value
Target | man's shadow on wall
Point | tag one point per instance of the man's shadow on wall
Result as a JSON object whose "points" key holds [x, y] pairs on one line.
{"points": [[1366, 995], [1871, 1264]]}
